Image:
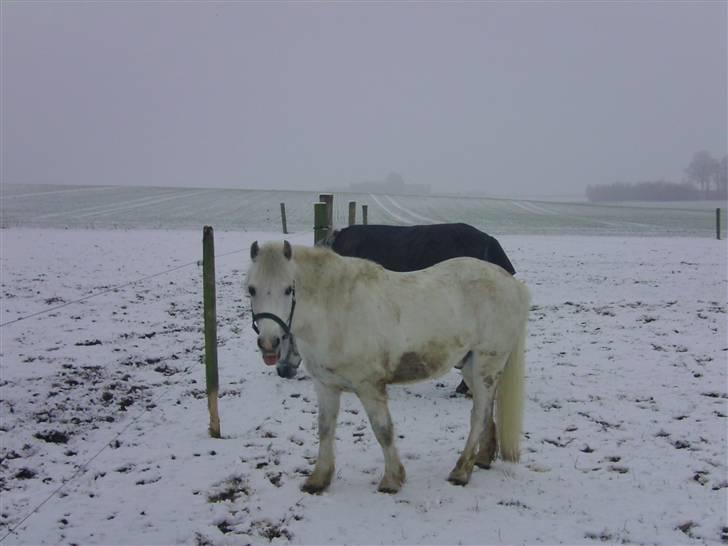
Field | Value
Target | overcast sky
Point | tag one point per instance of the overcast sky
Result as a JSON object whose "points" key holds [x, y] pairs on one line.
{"points": [[502, 98]]}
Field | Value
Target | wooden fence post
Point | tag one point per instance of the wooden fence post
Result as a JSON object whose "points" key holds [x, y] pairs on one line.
{"points": [[328, 198], [352, 213], [717, 223], [364, 214], [208, 295], [283, 218], [320, 225]]}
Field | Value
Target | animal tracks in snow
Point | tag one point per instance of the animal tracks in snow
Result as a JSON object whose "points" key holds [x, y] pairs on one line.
{"points": [[624, 437]]}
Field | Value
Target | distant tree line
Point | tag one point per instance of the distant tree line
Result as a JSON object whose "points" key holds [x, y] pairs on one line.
{"points": [[705, 178]]}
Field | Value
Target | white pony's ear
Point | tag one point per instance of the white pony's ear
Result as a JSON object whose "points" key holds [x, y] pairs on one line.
{"points": [[254, 250], [287, 250]]}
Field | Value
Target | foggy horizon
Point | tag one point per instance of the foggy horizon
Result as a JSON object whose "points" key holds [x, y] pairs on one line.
{"points": [[492, 98]]}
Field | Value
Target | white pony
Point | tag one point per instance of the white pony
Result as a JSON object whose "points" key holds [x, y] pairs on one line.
{"points": [[360, 327]]}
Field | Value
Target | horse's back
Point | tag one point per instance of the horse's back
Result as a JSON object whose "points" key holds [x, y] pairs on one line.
{"points": [[467, 272], [465, 289]]}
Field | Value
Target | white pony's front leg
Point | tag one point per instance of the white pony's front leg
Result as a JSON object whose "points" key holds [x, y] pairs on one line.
{"points": [[375, 404], [328, 411]]}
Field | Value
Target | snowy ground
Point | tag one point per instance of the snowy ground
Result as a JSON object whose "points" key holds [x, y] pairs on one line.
{"points": [[102, 403]]}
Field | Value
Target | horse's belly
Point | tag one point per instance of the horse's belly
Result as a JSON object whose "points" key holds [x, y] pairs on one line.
{"points": [[431, 360], [356, 365]]}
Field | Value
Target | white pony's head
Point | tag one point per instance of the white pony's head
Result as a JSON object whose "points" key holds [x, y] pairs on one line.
{"points": [[272, 296]]}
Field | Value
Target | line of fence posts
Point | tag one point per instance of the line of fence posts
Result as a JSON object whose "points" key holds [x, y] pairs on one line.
{"points": [[323, 216], [210, 316]]}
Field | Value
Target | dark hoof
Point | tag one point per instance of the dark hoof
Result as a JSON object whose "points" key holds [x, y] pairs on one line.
{"points": [[463, 389], [312, 489], [458, 481], [459, 476]]}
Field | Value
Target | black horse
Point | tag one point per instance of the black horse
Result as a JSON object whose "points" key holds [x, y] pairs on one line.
{"points": [[407, 248], [411, 248]]}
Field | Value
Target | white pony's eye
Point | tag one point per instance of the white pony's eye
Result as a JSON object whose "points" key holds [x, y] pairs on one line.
{"points": [[289, 290], [251, 291]]}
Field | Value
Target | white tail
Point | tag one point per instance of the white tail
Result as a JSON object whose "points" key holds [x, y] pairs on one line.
{"points": [[510, 399]]}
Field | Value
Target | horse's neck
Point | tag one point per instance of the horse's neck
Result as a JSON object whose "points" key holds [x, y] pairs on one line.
{"points": [[314, 267], [320, 277]]}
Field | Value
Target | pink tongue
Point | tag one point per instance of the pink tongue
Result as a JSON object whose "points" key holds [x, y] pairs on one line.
{"points": [[270, 360]]}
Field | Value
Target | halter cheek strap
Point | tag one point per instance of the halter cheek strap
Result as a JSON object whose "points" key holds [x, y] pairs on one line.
{"points": [[275, 318]]}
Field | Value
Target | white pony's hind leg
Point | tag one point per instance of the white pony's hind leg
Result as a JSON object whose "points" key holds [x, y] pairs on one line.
{"points": [[479, 372], [328, 410], [375, 404], [488, 442]]}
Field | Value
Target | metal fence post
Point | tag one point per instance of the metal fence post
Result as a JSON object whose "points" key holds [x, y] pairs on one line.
{"points": [[283, 218], [210, 313], [717, 223]]}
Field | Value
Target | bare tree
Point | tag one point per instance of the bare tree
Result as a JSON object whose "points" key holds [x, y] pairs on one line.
{"points": [[721, 177], [702, 170]]}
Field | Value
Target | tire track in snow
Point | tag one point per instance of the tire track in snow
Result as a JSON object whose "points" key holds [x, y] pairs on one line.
{"points": [[124, 206], [530, 207], [394, 215], [106, 206], [34, 194], [410, 212], [536, 209]]}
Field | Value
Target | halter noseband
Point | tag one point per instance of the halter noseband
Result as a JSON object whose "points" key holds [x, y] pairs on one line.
{"points": [[275, 318]]}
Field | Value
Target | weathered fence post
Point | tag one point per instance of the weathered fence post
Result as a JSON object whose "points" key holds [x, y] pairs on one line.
{"points": [[364, 214], [320, 223], [283, 218], [208, 296], [717, 223], [328, 198], [352, 213]]}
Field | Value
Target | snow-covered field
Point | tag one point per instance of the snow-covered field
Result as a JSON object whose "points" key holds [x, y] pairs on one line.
{"points": [[245, 210], [103, 432]]}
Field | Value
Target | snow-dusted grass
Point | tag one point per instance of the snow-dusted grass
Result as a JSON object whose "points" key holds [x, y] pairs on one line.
{"points": [[245, 210], [625, 433]]}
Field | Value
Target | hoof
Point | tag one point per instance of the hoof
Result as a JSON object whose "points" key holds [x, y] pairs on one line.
{"points": [[458, 477], [462, 482], [313, 489], [391, 490], [485, 459], [393, 485]]}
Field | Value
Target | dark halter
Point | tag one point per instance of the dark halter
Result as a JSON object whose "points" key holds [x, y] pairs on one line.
{"points": [[275, 318]]}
